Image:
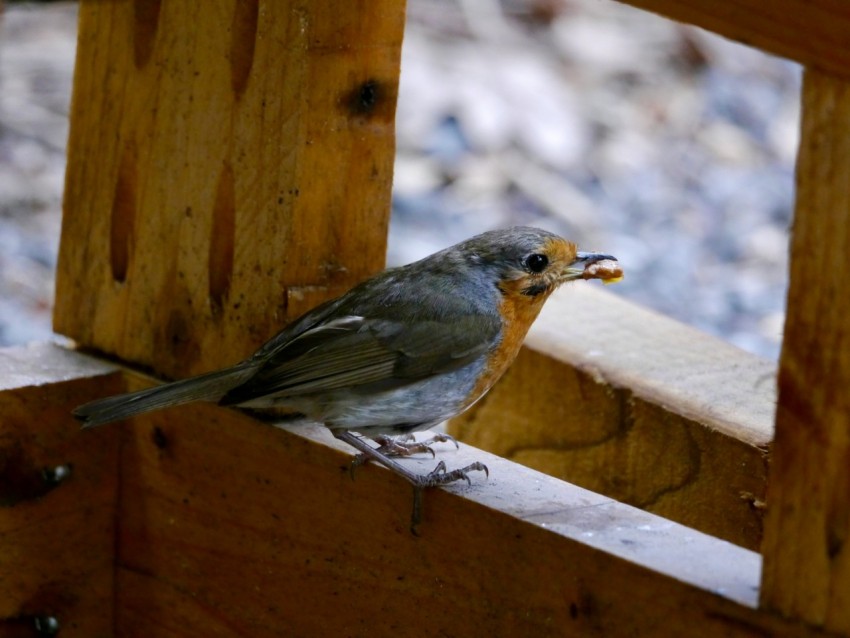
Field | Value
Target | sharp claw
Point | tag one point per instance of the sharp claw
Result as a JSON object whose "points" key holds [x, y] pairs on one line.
{"points": [[446, 438], [388, 447], [439, 470]]}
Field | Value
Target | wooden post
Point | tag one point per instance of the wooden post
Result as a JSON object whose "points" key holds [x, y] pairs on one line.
{"points": [[229, 167], [807, 529]]}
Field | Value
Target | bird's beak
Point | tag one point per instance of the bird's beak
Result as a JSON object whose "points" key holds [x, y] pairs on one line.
{"points": [[576, 270]]}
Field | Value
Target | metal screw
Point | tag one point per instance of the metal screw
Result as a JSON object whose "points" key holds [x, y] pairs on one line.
{"points": [[46, 625], [56, 475]]}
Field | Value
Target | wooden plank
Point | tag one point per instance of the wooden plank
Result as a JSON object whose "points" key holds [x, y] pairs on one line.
{"points": [[229, 166], [815, 33], [229, 526], [634, 405], [57, 535], [807, 554], [232, 527]]}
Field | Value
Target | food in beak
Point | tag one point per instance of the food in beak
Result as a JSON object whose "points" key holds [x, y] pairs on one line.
{"points": [[608, 270]]}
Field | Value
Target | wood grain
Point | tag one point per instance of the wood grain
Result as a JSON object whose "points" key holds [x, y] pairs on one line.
{"points": [[625, 402], [231, 527], [807, 554], [57, 539], [811, 32], [228, 168], [271, 535], [228, 526]]}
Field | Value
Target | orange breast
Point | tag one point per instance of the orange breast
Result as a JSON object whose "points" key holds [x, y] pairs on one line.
{"points": [[518, 313]]}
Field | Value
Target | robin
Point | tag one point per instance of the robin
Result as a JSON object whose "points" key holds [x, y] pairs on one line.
{"points": [[401, 352]]}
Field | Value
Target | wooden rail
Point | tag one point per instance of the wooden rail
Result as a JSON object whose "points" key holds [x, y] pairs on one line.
{"points": [[626, 402], [813, 33], [205, 521], [224, 157]]}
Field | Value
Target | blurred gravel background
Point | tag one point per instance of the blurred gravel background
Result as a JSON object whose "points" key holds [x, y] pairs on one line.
{"points": [[666, 146]]}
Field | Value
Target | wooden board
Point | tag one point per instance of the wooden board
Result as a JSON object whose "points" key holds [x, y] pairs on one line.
{"points": [[811, 32], [229, 167], [57, 538], [623, 401], [228, 526], [807, 553]]}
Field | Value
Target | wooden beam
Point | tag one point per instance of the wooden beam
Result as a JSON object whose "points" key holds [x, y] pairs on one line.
{"points": [[58, 495], [231, 526], [807, 534], [229, 167], [634, 405], [815, 33]]}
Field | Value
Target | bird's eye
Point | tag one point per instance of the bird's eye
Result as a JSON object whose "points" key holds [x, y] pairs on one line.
{"points": [[536, 262]]}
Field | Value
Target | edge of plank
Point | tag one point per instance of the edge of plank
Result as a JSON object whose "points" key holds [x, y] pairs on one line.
{"points": [[45, 362], [812, 33], [577, 514], [660, 360]]}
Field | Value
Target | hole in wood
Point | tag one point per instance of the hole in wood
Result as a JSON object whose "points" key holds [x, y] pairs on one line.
{"points": [[243, 33], [123, 215], [221, 242], [182, 346], [159, 438], [145, 24], [364, 98]]}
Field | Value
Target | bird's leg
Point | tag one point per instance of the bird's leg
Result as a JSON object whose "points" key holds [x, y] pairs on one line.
{"points": [[438, 476]]}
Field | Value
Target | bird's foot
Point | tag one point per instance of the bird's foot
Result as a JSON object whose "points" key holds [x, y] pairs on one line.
{"points": [[440, 476], [436, 477], [405, 445]]}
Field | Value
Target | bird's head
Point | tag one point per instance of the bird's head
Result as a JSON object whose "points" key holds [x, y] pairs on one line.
{"points": [[534, 262]]}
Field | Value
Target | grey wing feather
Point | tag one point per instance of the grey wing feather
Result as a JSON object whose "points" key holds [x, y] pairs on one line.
{"points": [[431, 347], [355, 351]]}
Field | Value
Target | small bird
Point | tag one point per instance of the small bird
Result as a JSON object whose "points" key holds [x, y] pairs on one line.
{"points": [[400, 352]]}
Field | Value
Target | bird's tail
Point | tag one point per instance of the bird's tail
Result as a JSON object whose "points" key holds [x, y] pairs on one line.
{"points": [[206, 387]]}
